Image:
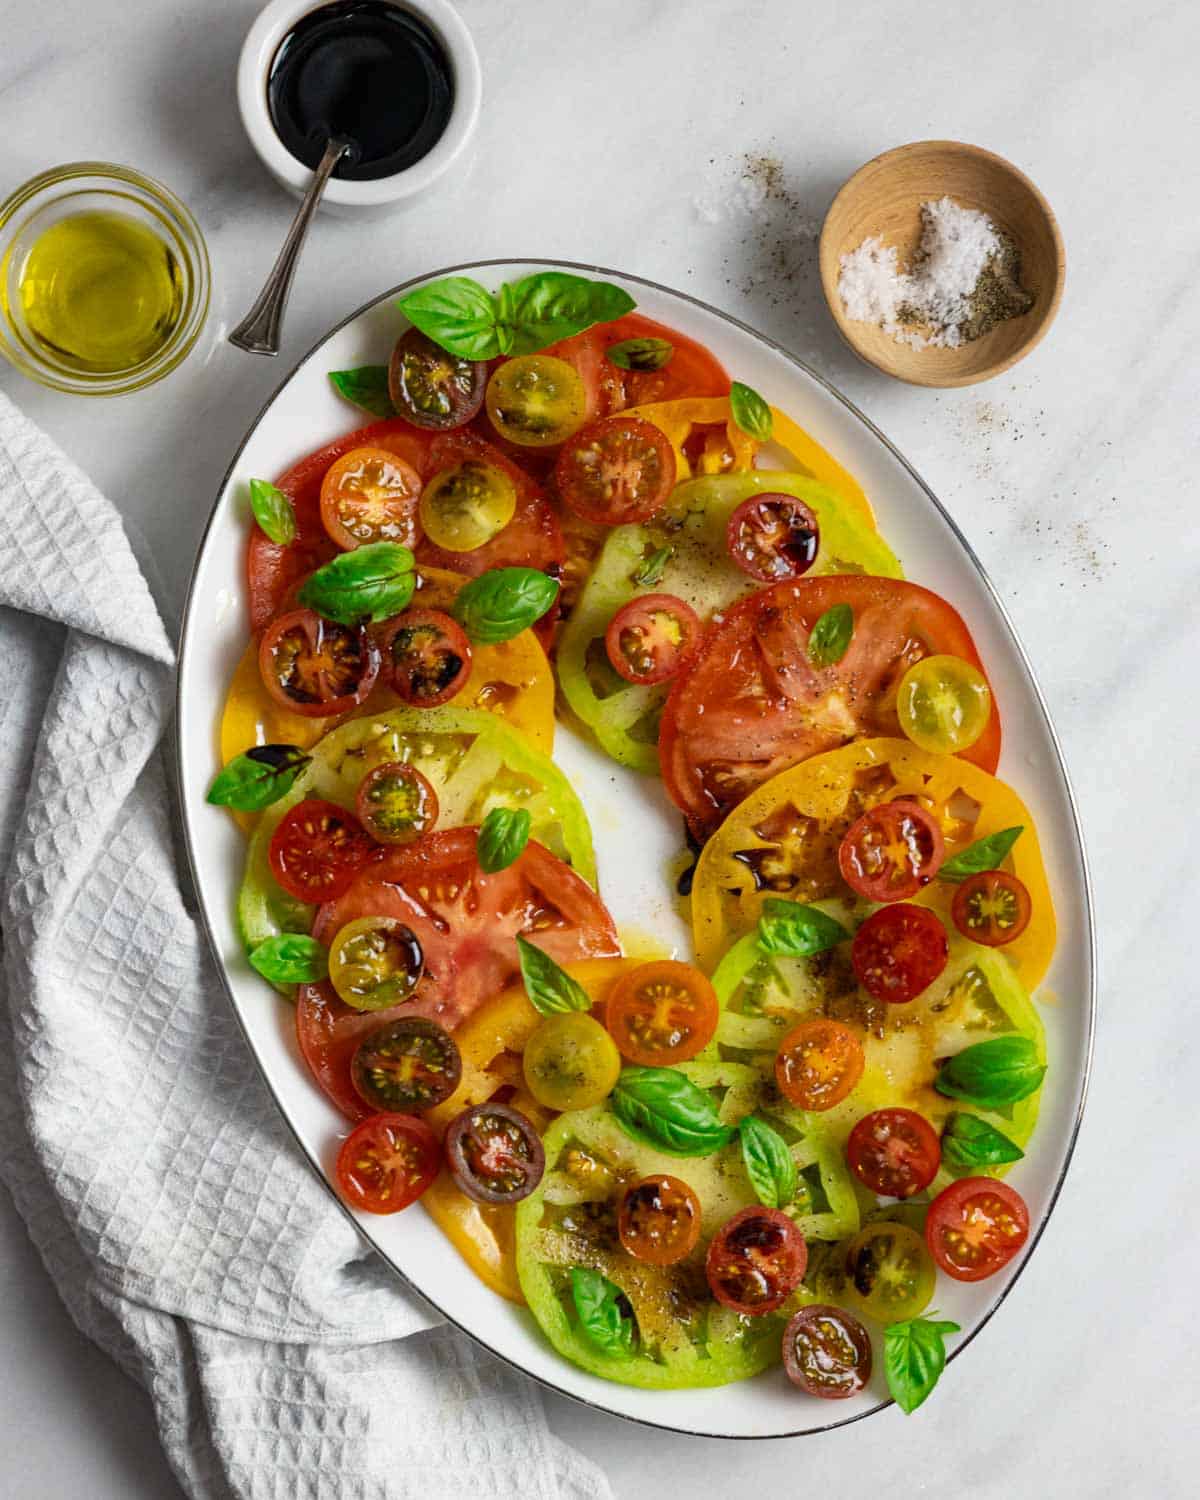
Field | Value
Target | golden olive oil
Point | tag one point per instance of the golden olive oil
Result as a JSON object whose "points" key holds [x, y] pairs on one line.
{"points": [[100, 291]]}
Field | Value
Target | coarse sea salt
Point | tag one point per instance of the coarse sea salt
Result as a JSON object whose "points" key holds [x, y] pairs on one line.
{"points": [[925, 306]]}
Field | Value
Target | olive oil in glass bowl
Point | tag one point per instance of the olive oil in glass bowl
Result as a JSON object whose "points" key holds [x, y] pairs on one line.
{"points": [[104, 279]]}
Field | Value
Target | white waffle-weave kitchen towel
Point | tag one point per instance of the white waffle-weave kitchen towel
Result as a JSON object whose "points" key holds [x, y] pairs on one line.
{"points": [[183, 1229]]}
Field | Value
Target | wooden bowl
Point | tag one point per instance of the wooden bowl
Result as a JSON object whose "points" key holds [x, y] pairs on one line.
{"points": [[884, 198]]}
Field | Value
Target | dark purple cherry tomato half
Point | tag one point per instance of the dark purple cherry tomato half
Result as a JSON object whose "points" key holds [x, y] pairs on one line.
{"points": [[773, 537], [495, 1154]]}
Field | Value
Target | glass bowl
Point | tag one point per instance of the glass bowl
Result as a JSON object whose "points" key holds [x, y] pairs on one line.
{"points": [[76, 188]]}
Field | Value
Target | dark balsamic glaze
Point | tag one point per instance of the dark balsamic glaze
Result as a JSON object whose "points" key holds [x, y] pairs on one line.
{"points": [[369, 72]]}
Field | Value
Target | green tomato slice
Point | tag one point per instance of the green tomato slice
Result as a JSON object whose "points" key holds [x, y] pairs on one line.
{"points": [[623, 716]]}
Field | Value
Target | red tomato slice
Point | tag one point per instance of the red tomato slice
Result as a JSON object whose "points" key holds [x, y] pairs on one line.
{"points": [[773, 537], [691, 370], [317, 850], [891, 851], [313, 667], [616, 470], [992, 907], [662, 1013], [899, 951], [895, 1152], [427, 657], [975, 1227], [652, 638], [466, 923], [755, 1260], [370, 495], [659, 1220], [752, 703], [387, 1163]]}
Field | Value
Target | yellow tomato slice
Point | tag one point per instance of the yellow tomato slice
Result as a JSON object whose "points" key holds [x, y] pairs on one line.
{"points": [[783, 841]]}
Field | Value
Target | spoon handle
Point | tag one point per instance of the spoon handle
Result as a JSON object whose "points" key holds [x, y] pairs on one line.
{"points": [[258, 332]]}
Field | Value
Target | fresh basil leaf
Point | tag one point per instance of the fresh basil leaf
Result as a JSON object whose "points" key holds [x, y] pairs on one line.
{"points": [[969, 1142], [829, 639], [769, 1164], [665, 1109], [373, 582], [984, 854], [261, 776], [651, 571], [790, 929], [750, 412], [551, 990], [291, 958], [993, 1073], [458, 314], [553, 305], [366, 387], [502, 602], [503, 834], [273, 512], [642, 355], [598, 1308], [914, 1356]]}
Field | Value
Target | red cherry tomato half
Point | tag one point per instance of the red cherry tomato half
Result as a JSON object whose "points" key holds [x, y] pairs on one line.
{"points": [[659, 1220], [317, 850], [756, 1260], [891, 851], [395, 803], [652, 638], [387, 1162], [895, 1152], [992, 907], [495, 1154], [818, 1064], [616, 470], [316, 668], [898, 952], [427, 656], [975, 1227], [370, 495], [827, 1352], [773, 537], [662, 1013]]}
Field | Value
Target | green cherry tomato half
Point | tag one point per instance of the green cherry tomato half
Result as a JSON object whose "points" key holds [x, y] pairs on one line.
{"points": [[375, 962], [395, 803], [406, 1066], [944, 704], [571, 1062], [465, 506], [536, 400], [889, 1272]]}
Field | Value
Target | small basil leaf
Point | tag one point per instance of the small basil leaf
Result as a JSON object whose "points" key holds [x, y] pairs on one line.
{"points": [[599, 1310], [551, 990], [914, 1356], [366, 387], [253, 781], [503, 834], [829, 638], [969, 1142], [791, 929], [769, 1164], [553, 305], [984, 854], [458, 314], [502, 602], [665, 1109], [291, 958], [273, 512], [373, 582], [750, 412], [642, 355], [993, 1073], [651, 571]]}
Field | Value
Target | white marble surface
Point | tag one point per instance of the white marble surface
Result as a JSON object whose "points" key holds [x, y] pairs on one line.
{"points": [[621, 134]]}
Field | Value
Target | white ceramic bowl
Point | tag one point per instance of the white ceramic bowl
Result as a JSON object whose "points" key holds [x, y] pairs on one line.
{"points": [[254, 67]]}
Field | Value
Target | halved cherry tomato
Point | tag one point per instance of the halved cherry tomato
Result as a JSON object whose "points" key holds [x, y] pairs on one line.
{"points": [[370, 495], [827, 1352], [316, 668], [374, 962], [495, 1154], [891, 851], [387, 1162], [317, 850], [652, 638], [407, 1066], [895, 1152], [944, 704], [395, 803], [617, 470], [818, 1064], [756, 1260], [431, 387], [662, 1013], [975, 1227], [465, 506], [658, 1220], [992, 907], [536, 400], [773, 537], [570, 1062], [899, 951], [426, 656], [889, 1275]]}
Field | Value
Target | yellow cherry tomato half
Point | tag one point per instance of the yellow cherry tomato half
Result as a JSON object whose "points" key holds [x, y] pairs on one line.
{"points": [[375, 962], [536, 400], [467, 505], [944, 704], [571, 1062], [890, 1273]]}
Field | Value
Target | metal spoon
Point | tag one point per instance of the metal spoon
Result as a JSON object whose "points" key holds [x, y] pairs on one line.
{"points": [[258, 332]]}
